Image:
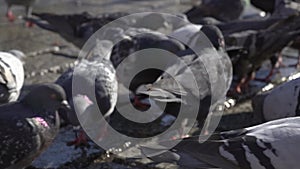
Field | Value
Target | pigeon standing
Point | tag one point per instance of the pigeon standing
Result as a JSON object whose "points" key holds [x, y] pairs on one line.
{"points": [[11, 76], [259, 46], [188, 35], [88, 79], [29, 126], [270, 145], [207, 67], [278, 8], [281, 102]]}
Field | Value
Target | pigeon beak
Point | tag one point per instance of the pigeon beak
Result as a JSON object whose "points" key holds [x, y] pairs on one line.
{"points": [[65, 105]]}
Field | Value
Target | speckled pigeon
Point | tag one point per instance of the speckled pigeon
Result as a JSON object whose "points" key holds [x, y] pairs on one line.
{"points": [[280, 102], [11, 76], [29, 126], [271, 145]]}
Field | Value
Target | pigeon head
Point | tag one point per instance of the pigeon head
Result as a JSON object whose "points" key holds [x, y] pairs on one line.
{"points": [[215, 36], [46, 98]]}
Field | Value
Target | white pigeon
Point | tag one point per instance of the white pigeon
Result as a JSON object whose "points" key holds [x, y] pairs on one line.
{"points": [[272, 145], [11, 75]]}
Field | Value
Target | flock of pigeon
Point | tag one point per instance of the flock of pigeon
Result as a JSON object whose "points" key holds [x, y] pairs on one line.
{"points": [[238, 48]]}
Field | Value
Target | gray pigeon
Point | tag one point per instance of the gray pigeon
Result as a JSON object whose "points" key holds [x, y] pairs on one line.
{"points": [[29, 126], [88, 85], [11, 76], [188, 35], [281, 102], [270, 145], [204, 67]]}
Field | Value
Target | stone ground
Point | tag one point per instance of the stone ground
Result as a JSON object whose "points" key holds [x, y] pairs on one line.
{"points": [[43, 55]]}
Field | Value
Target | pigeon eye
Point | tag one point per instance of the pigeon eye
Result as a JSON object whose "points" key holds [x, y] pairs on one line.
{"points": [[53, 96]]}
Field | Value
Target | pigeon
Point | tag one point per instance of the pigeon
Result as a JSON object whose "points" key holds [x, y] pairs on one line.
{"points": [[140, 39], [75, 28], [220, 10], [234, 26], [269, 145], [259, 46], [187, 34], [216, 37], [278, 8], [12, 75], [90, 77], [78, 28], [26, 3], [29, 126], [281, 102], [135, 40], [167, 90], [267, 5]]}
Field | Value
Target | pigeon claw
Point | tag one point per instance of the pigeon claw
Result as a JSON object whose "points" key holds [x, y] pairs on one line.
{"points": [[29, 24], [80, 141], [11, 17], [138, 104]]}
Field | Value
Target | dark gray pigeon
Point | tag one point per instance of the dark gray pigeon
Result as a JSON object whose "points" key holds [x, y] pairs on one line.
{"points": [[267, 5], [11, 76], [138, 39], [278, 8], [90, 83], [75, 28], [78, 28], [280, 102], [221, 10], [269, 145], [29, 126]]}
